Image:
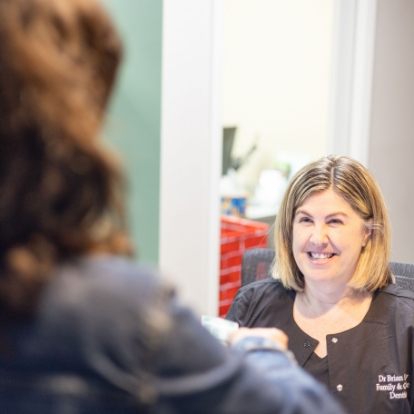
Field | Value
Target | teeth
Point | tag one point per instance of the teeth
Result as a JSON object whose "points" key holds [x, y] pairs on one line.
{"points": [[320, 255]]}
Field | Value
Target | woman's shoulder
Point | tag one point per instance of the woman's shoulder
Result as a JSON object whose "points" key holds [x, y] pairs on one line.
{"points": [[260, 298], [398, 301], [106, 272], [397, 293], [264, 286], [105, 285], [99, 308]]}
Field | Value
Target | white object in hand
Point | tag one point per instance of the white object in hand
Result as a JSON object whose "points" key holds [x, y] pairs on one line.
{"points": [[219, 327]]}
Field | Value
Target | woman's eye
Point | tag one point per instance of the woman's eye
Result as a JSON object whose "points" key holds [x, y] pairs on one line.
{"points": [[335, 221], [304, 220]]}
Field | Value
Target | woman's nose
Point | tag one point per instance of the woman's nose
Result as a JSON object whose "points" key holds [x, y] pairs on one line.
{"points": [[319, 235]]}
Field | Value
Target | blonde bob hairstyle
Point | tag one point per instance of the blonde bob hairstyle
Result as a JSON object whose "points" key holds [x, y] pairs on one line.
{"points": [[352, 181]]}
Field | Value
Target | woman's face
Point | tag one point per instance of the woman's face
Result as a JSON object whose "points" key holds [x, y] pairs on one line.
{"points": [[328, 236]]}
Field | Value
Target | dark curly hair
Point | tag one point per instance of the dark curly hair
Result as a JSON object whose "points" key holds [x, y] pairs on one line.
{"points": [[60, 190]]}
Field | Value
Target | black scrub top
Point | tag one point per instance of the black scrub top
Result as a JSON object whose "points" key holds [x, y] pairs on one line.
{"points": [[369, 367], [319, 367]]}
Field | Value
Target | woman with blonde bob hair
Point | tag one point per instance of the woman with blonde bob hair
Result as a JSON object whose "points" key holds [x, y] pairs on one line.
{"points": [[332, 291], [351, 181]]}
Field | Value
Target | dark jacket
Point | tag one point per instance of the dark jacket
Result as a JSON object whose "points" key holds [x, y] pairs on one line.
{"points": [[370, 366], [107, 337]]}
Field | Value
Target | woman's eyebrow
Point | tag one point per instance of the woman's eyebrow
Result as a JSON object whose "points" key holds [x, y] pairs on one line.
{"points": [[304, 212], [336, 213]]}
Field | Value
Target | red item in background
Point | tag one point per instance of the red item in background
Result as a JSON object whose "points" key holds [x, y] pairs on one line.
{"points": [[237, 235]]}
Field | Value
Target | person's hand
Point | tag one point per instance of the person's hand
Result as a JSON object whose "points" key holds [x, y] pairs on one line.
{"points": [[273, 334]]}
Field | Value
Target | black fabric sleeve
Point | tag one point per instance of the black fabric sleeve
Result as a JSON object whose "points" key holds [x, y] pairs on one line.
{"points": [[239, 309]]}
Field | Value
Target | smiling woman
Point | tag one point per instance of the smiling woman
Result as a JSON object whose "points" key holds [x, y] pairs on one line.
{"points": [[328, 237], [360, 196], [333, 290]]}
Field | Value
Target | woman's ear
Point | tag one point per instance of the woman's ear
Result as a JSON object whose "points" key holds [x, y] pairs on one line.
{"points": [[367, 232]]}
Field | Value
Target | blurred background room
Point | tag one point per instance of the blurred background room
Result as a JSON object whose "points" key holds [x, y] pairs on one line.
{"points": [[221, 101]]}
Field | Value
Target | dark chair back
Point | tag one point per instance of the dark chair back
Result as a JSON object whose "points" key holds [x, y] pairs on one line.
{"points": [[404, 274], [257, 265]]}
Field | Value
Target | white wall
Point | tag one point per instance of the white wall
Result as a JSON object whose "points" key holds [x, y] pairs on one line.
{"points": [[391, 156], [190, 151], [277, 58]]}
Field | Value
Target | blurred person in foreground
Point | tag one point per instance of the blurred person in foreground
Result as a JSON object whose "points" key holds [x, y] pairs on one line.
{"points": [[84, 329], [333, 294]]}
